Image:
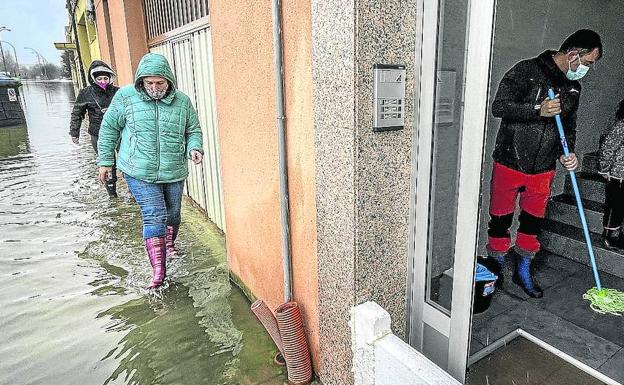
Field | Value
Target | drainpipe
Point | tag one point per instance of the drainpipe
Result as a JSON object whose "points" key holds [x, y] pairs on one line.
{"points": [[281, 141], [287, 331]]}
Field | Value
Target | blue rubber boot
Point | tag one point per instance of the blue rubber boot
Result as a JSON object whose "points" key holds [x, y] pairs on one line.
{"points": [[523, 278], [501, 275]]}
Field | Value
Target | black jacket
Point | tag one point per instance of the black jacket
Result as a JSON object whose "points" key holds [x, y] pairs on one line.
{"points": [[527, 142], [92, 99]]}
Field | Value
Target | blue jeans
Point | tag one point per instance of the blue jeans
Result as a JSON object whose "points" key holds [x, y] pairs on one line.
{"points": [[159, 202]]}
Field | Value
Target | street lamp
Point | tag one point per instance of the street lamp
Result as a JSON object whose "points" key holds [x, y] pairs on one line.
{"points": [[2, 51], [39, 56], [14, 53]]}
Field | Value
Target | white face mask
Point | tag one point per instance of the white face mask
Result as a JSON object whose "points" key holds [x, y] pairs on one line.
{"points": [[156, 93], [580, 71]]}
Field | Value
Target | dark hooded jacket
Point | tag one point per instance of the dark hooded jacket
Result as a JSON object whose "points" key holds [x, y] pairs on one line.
{"points": [[93, 100], [527, 142]]}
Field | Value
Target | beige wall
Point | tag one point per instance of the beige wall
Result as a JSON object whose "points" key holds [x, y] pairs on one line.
{"points": [[245, 88]]}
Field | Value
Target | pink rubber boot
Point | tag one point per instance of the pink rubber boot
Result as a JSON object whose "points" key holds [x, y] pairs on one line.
{"points": [[156, 251], [171, 235]]}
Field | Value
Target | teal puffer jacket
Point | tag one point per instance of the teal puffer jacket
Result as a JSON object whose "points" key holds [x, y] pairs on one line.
{"points": [[153, 138]]}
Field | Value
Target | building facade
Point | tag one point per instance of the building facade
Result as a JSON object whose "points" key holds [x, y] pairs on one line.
{"points": [[81, 38], [391, 216]]}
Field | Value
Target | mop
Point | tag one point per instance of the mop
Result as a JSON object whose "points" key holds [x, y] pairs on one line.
{"points": [[603, 301]]}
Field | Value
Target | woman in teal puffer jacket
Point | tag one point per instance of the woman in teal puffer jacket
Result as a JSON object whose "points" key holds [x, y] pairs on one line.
{"points": [[154, 128]]}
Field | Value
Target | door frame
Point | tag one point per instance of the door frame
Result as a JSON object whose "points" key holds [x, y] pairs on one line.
{"points": [[455, 327]]}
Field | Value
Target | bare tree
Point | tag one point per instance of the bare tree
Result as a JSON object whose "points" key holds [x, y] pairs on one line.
{"points": [[67, 58], [9, 63], [39, 71]]}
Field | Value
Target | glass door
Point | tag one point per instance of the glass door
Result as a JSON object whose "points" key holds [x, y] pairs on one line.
{"points": [[451, 107]]}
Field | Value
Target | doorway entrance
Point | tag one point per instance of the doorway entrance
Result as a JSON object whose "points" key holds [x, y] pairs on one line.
{"points": [[467, 46]]}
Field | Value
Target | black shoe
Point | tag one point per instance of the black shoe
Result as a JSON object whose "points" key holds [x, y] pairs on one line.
{"points": [[111, 189], [524, 278], [612, 239]]}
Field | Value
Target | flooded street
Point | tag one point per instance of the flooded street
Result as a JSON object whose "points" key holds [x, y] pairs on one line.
{"points": [[73, 305]]}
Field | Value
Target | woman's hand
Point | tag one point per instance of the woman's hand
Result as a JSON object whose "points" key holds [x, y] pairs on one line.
{"points": [[196, 156], [103, 174]]}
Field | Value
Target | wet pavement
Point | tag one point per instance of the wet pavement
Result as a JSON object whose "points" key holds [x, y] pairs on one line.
{"points": [[521, 362], [73, 308]]}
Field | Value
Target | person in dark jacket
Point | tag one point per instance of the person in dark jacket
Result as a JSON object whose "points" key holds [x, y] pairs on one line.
{"points": [[94, 100], [528, 146], [611, 164]]}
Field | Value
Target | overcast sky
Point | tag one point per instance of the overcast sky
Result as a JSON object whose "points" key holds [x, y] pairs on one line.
{"points": [[36, 24]]}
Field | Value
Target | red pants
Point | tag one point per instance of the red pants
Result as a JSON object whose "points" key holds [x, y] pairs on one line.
{"points": [[534, 191]]}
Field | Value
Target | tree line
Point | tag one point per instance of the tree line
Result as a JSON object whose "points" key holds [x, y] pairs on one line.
{"points": [[42, 71]]}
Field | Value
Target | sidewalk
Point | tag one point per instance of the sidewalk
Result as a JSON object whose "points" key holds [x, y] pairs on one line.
{"points": [[223, 309]]}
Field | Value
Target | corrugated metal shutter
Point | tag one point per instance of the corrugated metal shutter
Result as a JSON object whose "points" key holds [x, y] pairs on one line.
{"points": [[204, 80], [191, 61], [165, 16], [166, 51]]}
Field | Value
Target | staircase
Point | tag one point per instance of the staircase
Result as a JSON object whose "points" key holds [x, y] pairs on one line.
{"points": [[562, 233]]}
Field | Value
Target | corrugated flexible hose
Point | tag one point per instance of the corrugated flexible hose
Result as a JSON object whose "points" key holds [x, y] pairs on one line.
{"points": [[266, 318], [294, 342]]}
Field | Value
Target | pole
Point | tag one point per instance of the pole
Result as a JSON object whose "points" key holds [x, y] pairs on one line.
{"points": [[39, 61], [3, 60], [45, 71], [3, 28], [577, 195], [18, 72], [39, 57], [282, 153]]}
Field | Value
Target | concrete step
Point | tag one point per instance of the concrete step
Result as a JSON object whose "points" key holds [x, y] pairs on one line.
{"points": [[590, 163], [562, 208], [591, 186], [569, 242]]}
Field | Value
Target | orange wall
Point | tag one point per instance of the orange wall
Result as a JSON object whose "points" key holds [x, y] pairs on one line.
{"points": [[129, 38], [298, 89], [106, 45], [245, 90]]}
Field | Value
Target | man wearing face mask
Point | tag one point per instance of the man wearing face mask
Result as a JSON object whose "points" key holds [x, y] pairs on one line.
{"points": [[528, 146], [157, 129], [94, 100]]}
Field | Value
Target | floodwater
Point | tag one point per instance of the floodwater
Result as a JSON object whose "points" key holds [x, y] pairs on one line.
{"points": [[73, 308]]}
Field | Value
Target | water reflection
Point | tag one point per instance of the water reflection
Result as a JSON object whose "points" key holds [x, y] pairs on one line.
{"points": [[72, 271], [13, 141]]}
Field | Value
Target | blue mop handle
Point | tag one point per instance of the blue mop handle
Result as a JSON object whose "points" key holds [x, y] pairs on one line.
{"points": [[577, 195]]}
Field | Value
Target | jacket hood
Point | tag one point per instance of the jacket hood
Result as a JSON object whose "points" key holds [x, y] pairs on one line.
{"points": [[153, 64], [99, 66]]}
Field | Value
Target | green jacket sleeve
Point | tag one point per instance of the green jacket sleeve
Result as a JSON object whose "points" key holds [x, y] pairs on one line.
{"points": [[113, 122], [193, 132]]}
